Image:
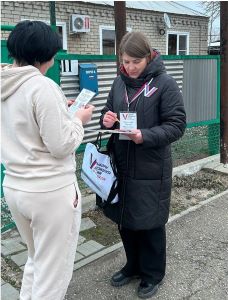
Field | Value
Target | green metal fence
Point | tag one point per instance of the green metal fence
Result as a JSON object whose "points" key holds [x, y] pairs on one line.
{"points": [[201, 139], [198, 142]]}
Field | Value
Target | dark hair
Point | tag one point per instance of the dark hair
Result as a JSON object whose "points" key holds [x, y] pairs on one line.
{"points": [[33, 41], [135, 44]]}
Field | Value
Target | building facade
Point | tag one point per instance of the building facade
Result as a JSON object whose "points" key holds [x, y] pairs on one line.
{"points": [[187, 34]]}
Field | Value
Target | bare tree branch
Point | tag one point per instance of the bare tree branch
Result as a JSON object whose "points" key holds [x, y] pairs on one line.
{"points": [[212, 8]]}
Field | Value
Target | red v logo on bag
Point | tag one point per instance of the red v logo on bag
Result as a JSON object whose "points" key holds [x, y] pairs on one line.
{"points": [[97, 173], [92, 163]]}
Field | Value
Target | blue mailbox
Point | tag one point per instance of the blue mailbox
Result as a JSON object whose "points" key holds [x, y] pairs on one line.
{"points": [[88, 77]]}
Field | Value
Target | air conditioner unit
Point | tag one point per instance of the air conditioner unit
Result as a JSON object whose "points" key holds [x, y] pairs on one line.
{"points": [[79, 23]]}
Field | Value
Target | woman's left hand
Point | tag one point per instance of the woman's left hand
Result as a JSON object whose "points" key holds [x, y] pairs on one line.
{"points": [[136, 137]]}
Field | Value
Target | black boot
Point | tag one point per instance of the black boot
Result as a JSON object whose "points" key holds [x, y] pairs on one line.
{"points": [[120, 279], [147, 290]]}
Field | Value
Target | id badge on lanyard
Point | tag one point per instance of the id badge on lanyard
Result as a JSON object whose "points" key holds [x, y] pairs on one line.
{"points": [[128, 120]]}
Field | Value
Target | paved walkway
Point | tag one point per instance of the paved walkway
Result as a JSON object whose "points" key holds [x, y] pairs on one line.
{"points": [[197, 261], [13, 248], [196, 268]]}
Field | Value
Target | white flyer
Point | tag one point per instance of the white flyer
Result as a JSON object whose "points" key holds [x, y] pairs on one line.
{"points": [[83, 98], [128, 121], [119, 131]]}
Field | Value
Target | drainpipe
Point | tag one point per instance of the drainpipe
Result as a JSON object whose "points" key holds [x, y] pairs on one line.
{"points": [[200, 40], [224, 82], [120, 26], [54, 71], [52, 15]]}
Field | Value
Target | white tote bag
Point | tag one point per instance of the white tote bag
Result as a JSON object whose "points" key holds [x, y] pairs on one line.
{"points": [[97, 173]]}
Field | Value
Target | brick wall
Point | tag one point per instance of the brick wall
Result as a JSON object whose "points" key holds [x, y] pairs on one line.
{"points": [[89, 43]]}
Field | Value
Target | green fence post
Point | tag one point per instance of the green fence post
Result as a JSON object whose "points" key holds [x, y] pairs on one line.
{"points": [[5, 54], [214, 129], [2, 177], [54, 72], [213, 139]]}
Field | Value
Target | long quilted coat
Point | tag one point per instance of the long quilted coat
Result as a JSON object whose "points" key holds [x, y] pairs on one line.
{"points": [[145, 170]]}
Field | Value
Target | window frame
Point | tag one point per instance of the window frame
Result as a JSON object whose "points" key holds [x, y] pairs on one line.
{"points": [[58, 23], [64, 31], [178, 33], [107, 27]]}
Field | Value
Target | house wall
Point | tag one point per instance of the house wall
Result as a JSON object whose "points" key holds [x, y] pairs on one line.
{"points": [[89, 43]]}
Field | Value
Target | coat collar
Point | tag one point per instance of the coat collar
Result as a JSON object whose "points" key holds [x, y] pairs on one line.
{"points": [[153, 69]]}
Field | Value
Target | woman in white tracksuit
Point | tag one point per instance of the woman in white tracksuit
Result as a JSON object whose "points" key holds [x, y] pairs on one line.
{"points": [[39, 140]]}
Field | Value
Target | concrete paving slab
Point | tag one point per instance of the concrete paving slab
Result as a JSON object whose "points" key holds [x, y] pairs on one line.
{"points": [[5, 251], [97, 255], [2, 282], [78, 257], [8, 292], [18, 239], [12, 246], [21, 258], [222, 168], [195, 166], [219, 167], [15, 234], [88, 203], [86, 223], [81, 240], [89, 248]]}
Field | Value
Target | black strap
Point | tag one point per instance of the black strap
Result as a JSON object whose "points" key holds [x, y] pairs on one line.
{"points": [[113, 192], [109, 152], [112, 195], [97, 143]]}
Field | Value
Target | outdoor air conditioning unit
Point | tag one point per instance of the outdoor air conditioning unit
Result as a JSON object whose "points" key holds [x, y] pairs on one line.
{"points": [[79, 23]]}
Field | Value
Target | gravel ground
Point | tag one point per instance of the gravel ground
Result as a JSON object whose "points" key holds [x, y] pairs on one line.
{"points": [[187, 191]]}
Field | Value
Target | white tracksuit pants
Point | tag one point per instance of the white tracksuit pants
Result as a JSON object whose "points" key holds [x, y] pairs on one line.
{"points": [[49, 224]]}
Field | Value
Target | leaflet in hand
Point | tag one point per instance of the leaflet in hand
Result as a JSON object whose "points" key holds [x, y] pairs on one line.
{"points": [[83, 98], [119, 131]]}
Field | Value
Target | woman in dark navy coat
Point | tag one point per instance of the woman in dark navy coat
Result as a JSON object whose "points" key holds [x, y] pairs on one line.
{"points": [[147, 101]]}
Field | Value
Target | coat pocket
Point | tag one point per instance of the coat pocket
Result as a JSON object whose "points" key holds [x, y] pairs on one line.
{"points": [[142, 203], [147, 167]]}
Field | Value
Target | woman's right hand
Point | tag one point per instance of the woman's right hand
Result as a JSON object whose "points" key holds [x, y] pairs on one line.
{"points": [[85, 113], [109, 119]]}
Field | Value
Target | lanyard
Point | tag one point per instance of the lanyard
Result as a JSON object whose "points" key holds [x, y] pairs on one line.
{"points": [[139, 92]]}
